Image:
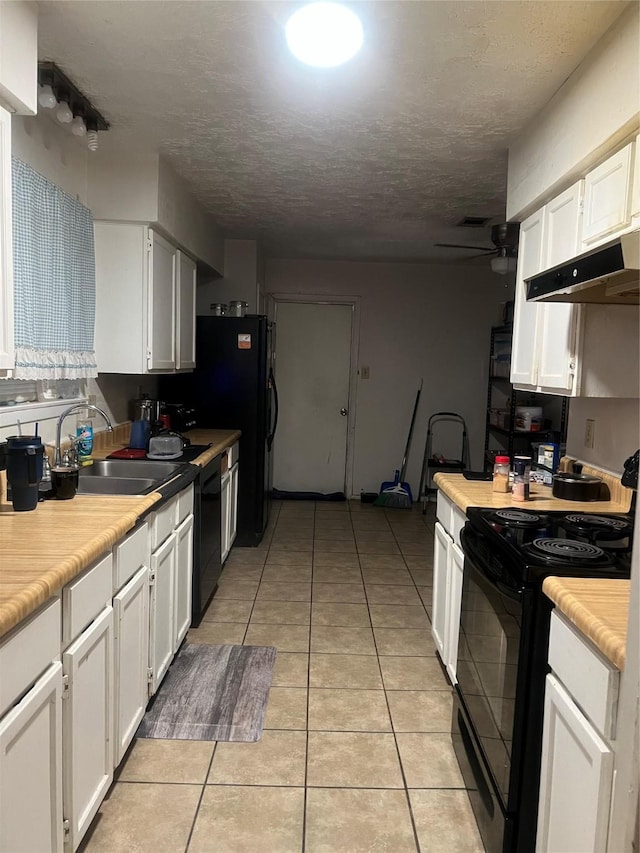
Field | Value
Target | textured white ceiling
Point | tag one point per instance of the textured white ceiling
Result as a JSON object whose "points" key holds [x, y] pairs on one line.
{"points": [[378, 159]]}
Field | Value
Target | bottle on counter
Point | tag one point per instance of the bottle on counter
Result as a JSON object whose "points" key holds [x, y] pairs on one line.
{"points": [[501, 474], [84, 443], [521, 478]]}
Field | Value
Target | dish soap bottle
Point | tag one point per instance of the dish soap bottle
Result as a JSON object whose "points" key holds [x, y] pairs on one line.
{"points": [[84, 434]]}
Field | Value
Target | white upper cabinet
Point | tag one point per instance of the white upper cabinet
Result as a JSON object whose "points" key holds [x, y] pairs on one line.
{"points": [[185, 312], [607, 198], [562, 348], [558, 323], [19, 56], [530, 262], [162, 304], [145, 288], [7, 354]]}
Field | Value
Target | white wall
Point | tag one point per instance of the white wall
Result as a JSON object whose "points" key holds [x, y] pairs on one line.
{"points": [[52, 151], [617, 431], [240, 281], [416, 321], [142, 187], [597, 107], [185, 219], [58, 155]]}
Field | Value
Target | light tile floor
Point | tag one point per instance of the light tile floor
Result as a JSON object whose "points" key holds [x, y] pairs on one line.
{"points": [[356, 754]]}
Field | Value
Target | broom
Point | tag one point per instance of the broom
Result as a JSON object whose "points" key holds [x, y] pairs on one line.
{"points": [[397, 495]]}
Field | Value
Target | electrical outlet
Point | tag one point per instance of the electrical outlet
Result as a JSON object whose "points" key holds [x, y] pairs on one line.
{"points": [[589, 433], [91, 399], [364, 373]]}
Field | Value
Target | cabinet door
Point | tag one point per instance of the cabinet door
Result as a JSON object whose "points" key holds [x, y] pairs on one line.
{"points": [[185, 312], [559, 323], [525, 319], [131, 634], [161, 307], [87, 724], [454, 601], [607, 198], [162, 613], [440, 582], [575, 780], [7, 352], [31, 769], [184, 574], [225, 500], [233, 504], [635, 181]]}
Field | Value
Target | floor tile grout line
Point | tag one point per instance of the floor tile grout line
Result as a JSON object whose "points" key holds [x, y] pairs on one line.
{"points": [[395, 740], [200, 798], [306, 754]]}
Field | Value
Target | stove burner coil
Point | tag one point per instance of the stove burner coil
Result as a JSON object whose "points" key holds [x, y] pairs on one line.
{"points": [[567, 549], [517, 516], [599, 522]]}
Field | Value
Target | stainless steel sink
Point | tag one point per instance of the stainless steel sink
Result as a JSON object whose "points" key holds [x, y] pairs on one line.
{"points": [[135, 468], [125, 476], [102, 485]]}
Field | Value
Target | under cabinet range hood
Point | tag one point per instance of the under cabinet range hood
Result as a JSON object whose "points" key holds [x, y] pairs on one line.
{"points": [[607, 275]]}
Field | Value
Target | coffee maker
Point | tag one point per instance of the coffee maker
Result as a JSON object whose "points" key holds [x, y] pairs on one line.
{"points": [[149, 411]]}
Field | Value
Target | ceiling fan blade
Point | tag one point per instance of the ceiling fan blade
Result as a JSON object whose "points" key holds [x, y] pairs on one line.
{"points": [[458, 246]]}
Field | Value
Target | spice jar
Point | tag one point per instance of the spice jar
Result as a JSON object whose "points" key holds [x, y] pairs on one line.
{"points": [[501, 474], [521, 478]]}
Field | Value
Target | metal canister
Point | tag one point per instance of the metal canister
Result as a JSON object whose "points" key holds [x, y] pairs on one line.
{"points": [[237, 308], [218, 309]]}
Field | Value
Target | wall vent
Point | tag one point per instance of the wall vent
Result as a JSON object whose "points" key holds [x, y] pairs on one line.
{"points": [[474, 222]]}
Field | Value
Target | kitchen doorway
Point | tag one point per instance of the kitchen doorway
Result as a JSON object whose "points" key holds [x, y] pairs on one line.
{"points": [[315, 358]]}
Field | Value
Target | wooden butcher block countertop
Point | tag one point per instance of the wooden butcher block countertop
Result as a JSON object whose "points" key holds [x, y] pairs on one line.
{"points": [[598, 608], [43, 550], [466, 493]]}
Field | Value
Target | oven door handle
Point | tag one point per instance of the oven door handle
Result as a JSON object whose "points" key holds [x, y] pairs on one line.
{"points": [[482, 569]]}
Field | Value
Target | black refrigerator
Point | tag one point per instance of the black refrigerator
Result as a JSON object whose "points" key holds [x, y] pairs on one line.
{"points": [[233, 387]]}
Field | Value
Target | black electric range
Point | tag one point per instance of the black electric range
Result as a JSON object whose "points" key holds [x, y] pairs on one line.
{"points": [[503, 649]]}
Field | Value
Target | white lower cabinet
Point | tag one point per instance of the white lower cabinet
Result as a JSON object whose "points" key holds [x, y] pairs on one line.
{"points": [[225, 501], [87, 720], [131, 645], [30, 769], [454, 600], [183, 579], [439, 606], [161, 614], [448, 561], [578, 744], [170, 583], [233, 504]]}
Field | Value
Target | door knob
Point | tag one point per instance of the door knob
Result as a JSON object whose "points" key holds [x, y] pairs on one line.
{"points": [[343, 412]]}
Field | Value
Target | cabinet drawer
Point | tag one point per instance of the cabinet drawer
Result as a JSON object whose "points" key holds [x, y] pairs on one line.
{"points": [[28, 651], [85, 597], [130, 555], [233, 453], [163, 523], [590, 679], [184, 505], [458, 522], [444, 511]]}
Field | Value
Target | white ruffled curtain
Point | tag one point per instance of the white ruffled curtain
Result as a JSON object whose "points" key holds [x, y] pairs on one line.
{"points": [[54, 280]]}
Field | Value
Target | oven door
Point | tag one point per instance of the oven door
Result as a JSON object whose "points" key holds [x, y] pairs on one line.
{"points": [[489, 652]]}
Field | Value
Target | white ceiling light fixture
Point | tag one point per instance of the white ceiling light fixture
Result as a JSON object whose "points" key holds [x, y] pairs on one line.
{"points": [[78, 127], [46, 97], [324, 35], [63, 113]]}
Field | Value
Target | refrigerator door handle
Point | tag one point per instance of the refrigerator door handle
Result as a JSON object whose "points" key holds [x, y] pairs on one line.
{"points": [[274, 388]]}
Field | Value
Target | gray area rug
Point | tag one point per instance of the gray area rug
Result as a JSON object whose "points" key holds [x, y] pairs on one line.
{"points": [[212, 693]]}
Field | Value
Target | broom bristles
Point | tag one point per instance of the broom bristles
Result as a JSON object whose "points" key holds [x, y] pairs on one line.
{"points": [[396, 498]]}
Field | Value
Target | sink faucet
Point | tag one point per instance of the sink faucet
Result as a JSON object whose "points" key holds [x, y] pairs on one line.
{"points": [[69, 411]]}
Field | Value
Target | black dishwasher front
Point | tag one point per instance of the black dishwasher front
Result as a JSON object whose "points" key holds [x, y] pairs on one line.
{"points": [[207, 540]]}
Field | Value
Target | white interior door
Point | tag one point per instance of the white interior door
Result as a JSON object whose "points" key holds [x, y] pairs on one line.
{"points": [[313, 370]]}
